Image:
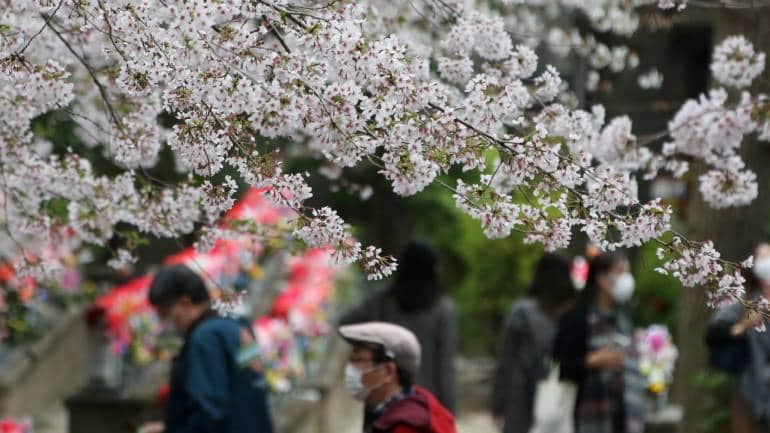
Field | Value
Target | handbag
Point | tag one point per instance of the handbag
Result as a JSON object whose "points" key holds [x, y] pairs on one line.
{"points": [[554, 406]]}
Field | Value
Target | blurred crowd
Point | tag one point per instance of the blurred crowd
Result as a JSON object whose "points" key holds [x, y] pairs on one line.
{"points": [[566, 361]]}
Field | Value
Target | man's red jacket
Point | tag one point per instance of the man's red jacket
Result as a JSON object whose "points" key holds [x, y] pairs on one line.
{"points": [[419, 412]]}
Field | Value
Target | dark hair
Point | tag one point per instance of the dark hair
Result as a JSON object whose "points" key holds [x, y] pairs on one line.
{"points": [[416, 287], [598, 265], [552, 284], [379, 356], [173, 283]]}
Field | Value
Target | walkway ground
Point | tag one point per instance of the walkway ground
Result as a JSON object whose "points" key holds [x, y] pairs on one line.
{"points": [[475, 422]]}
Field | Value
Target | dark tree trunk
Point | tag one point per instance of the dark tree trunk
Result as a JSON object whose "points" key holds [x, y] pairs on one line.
{"points": [[735, 232]]}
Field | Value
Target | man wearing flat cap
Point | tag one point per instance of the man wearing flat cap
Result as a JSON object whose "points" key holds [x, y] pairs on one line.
{"points": [[380, 373]]}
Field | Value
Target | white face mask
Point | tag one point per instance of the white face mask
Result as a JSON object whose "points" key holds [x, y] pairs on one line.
{"points": [[353, 383], [762, 269], [624, 288]]}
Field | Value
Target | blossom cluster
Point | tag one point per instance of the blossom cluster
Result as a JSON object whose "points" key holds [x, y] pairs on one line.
{"points": [[735, 63], [233, 271], [670, 4], [542, 23], [31, 301], [351, 83], [652, 79], [700, 265], [712, 129]]}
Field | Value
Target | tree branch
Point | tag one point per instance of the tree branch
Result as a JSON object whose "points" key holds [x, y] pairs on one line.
{"points": [[50, 17], [91, 72]]}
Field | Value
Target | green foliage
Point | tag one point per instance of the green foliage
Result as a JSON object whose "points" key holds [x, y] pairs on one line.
{"points": [[657, 296], [714, 388], [24, 323], [56, 208], [484, 276], [27, 320]]}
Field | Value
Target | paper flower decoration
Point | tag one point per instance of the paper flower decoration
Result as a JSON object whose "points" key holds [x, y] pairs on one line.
{"points": [[657, 356]]}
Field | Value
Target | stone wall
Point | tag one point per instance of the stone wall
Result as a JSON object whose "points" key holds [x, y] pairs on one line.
{"points": [[321, 405], [34, 378]]}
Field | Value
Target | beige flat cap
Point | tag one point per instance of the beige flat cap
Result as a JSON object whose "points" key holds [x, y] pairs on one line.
{"points": [[399, 343]]}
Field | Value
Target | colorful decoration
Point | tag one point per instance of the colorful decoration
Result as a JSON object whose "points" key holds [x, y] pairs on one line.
{"points": [[11, 425], [657, 356], [579, 272], [132, 324], [286, 338], [28, 305]]}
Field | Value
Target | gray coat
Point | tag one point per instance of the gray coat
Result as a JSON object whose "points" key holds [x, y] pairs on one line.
{"points": [[753, 382], [523, 350], [436, 330]]}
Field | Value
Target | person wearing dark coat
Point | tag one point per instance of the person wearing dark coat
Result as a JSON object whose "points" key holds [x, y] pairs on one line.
{"points": [[594, 349], [414, 301], [739, 346], [209, 391], [524, 350]]}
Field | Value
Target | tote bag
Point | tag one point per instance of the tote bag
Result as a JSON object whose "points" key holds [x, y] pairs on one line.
{"points": [[554, 405]]}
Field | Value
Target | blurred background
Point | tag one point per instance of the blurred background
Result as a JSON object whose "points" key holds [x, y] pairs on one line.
{"points": [[64, 358]]}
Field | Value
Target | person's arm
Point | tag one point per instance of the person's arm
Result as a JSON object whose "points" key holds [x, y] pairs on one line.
{"points": [[570, 347], [511, 393], [726, 338], [729, 325], [207, 382], [446, 348]]}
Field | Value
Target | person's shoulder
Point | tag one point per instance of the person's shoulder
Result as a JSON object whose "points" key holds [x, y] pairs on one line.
{"points": [[412, 410], [417, 412], [525, 304], [574, 315], [216, 326], [441, 418], [520, 311], [515, 317]]}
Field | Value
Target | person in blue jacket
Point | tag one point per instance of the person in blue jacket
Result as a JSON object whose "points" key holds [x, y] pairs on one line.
{"points": [[209, 391]]}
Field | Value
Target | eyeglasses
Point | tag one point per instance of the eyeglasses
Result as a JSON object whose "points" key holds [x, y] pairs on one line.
{"points": [[360, 360]]}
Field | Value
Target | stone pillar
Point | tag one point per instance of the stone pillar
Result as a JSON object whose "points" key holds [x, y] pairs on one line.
{"points": [[102, 405]]}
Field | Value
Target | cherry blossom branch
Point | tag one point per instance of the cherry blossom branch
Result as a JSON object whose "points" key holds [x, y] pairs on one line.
{"points": [[6, 225], [655, 136], [91, 72], [754, 4], [290, 14], [29, 41]]}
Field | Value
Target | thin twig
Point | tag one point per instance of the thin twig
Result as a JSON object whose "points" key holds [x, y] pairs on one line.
{"points": [[91, 72], [50, 17]]}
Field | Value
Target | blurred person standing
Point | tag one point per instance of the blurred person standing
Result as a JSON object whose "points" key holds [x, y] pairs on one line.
{"points": [[209, 392], [739, 346], [594, 349], [525, 346], [380, 373], [415, 302]]}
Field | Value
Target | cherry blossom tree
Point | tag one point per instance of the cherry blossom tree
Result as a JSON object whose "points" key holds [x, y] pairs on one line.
{"points": [[412, 88]]}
